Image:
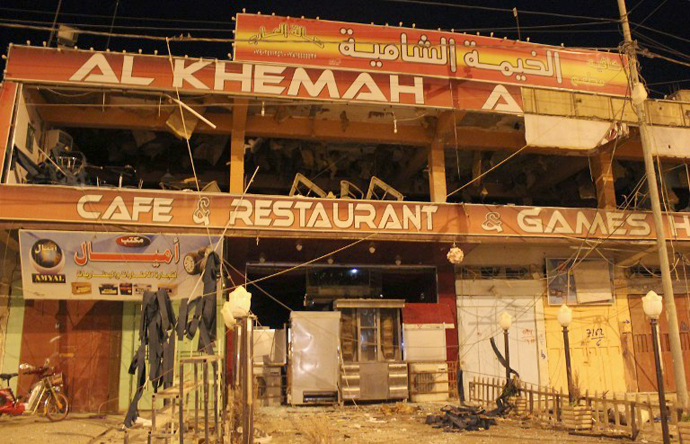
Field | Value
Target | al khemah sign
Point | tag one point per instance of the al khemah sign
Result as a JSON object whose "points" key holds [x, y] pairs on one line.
{"points": [[277, 215], [211, 76]]}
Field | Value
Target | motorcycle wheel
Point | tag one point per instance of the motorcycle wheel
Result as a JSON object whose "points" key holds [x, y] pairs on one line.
{"points": [[53, 412]]}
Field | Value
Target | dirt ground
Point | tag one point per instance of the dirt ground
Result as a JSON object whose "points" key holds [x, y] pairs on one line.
{"points": [[76, 429], [376, 423], [372, 424]]}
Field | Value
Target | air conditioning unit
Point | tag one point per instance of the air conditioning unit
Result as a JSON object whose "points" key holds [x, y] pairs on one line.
{"points": [[269, 385], [428, 382], [57, 137]]}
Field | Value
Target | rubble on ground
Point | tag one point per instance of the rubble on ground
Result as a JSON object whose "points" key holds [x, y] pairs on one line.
{"points": [[461, 418]]}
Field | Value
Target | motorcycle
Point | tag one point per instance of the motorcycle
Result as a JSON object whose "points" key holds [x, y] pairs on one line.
{"points": [[45, 397]]}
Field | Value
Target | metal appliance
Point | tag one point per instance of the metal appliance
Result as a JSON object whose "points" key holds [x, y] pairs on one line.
{"points": [[373, 368], [269, 352], [314, 357], [429, 382]]}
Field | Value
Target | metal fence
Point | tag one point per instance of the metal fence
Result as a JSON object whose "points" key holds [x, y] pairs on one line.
{"points": [[620, 415]]}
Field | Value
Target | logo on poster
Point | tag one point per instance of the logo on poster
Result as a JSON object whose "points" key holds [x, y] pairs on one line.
{"points": [[47, 259], [133, 241]]}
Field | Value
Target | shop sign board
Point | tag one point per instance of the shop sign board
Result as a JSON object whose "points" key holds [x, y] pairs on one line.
{"points": [[156, 73], [220, 212], [111, 266], [399, 50]]}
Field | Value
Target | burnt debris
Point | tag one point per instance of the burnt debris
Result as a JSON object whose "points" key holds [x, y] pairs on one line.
{"points": [[471, 418], [455, 419]]}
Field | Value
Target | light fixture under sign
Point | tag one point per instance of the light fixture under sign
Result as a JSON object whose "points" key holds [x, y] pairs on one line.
{"points": [[455, 255]]}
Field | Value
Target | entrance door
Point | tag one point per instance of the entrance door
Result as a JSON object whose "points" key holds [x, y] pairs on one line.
{"points": [[642, 342], [81, 338], [478, 311]]}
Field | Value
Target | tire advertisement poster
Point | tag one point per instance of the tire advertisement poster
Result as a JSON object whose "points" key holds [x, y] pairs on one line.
{"points": [[111, 266]]}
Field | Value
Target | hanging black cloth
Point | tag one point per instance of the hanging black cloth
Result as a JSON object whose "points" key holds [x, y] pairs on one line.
{"points": [[204, 317], [501, 359], [156, 331]]}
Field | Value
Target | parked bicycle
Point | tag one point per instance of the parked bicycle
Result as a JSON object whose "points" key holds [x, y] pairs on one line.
{"points": [[45, 397]]}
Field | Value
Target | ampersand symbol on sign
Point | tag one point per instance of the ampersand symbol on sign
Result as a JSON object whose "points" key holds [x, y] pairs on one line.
{"points": [[203, 211], [492, 222]]}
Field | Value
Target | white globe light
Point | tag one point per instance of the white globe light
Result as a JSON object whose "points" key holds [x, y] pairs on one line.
{"points": [[505, 321], [455, 255], [652, 304], [565, 316]]}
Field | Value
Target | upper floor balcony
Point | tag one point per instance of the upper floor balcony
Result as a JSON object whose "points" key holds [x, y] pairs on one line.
{"points": [[499, 146]]}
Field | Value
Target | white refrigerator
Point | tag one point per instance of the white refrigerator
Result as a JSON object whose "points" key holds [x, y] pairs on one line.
{"points": [[314, 357]]}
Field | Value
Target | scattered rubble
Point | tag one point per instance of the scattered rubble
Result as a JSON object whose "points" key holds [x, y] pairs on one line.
{"points": [[399, 408], [461, 418]]}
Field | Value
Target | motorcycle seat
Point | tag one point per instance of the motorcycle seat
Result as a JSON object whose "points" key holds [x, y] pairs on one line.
{"points": [[8, 376]]}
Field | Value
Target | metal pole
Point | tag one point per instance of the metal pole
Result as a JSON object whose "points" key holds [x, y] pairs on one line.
{"points": [[568, 368], [181, 412], [646, 138], [507, 347], [660, 383], [204, 369], [247, 379]]}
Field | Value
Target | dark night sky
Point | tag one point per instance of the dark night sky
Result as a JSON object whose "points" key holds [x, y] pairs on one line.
{"points": [[142, 17]]}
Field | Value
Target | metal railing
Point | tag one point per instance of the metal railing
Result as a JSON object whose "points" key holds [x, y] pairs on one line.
{"points": [[612, 414]]}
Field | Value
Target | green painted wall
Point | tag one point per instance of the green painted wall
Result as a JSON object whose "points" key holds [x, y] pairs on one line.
{"points": [[13, 340]]}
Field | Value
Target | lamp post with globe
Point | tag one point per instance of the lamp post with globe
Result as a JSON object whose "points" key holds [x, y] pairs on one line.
{"points": [[652, 305], [505, 321], [565, 317]]}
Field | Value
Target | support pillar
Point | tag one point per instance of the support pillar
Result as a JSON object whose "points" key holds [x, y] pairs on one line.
{"points": [[445, 124], [239, 124], [602, 170], [437, 171]]}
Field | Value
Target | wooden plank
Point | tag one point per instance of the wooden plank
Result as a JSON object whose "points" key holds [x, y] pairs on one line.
{"points": [[651, 413], [616, 413]]}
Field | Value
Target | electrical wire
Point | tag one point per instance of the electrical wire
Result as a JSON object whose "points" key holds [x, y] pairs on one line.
{"points": [[189, 38], [535, 28], [489, 8], [667, 34], [637, 25], [112, 23], [652, 55]]}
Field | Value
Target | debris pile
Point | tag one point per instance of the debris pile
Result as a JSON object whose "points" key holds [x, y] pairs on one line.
{"points": [[399, 408], [476, 418], [457, 419]]}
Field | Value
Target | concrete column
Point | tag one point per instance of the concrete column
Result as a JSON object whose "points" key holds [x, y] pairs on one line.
{"points": [[437, 171], [602, 170], [239, 124]]}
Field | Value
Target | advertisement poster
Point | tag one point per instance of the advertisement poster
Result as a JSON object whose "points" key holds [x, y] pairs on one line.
{"points": [[111, 266], [566, 284]]}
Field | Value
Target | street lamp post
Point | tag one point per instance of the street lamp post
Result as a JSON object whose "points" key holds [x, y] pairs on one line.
{"points": [[565, 317], [652, 305], [505, 321]]}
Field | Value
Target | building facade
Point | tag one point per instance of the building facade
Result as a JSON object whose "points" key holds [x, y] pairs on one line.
{"points": [[327, 169]]}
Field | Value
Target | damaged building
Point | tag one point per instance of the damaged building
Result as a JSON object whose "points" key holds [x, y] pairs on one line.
{"points": [[335, 192]]}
